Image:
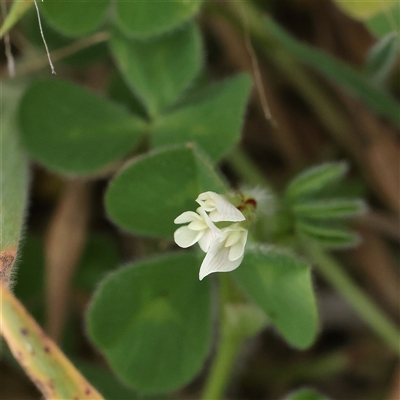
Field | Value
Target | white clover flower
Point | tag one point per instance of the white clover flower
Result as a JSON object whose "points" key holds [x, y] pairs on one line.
{"points": [[219, 207], [226, 250], [224, 245], [199, 229]]}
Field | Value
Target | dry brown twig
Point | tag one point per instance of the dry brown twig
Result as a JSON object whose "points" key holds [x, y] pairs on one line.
{"points": [[65, 240]]}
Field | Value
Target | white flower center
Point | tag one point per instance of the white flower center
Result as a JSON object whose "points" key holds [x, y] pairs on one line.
{"points": [[198, 230]]}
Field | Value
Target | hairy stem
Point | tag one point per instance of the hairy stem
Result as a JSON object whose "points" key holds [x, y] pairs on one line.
{"points": [[39, 356], [222, 367], [229, 344]]}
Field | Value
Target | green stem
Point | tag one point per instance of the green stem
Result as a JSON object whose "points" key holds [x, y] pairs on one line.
{"points": [[222, 367], [228, 347], [367, 310]]}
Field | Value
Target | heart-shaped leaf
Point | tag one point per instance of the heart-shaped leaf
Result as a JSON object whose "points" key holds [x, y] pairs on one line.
{"points": [[152, 321], [160, 68], [149, 194], [74, 18], [213, 122], [143, 19], [280, 284], [70, 130]]}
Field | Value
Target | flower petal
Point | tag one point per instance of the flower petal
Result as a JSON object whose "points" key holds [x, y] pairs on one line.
{"points": [[185, 237], [198, 225], [206, 201], [187, 216], [219, 207], [205, 240], [208, 221], [227, 210], [232, 238], [237, 250], [217, 260]]}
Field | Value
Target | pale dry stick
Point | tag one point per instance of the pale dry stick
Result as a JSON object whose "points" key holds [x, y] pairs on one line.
{"points": [[7, 44], [44, 40], [49, 369], [256, 71], [64, 244], [295, 73], [57, 55], [236, 50]]}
